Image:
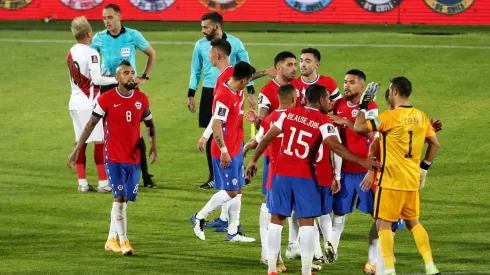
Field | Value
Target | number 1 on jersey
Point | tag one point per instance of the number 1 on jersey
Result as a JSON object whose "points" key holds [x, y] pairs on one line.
{"points": [[409, 155]]}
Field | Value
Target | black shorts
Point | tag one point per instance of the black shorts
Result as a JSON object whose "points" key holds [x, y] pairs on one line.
{"points": [[205, 107], [104, 89]]}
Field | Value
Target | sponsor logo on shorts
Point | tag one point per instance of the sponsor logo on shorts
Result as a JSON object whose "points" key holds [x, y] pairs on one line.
{"points": [[152, 5], [308, 5], [222, 5], [120, 187], [14, 4], [235, 182], [82, 4], [378, 5], [138, 105], [449, 7]]}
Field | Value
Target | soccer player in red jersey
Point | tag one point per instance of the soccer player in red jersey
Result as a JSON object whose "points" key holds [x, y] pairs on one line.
{"points": [[309, 63], [287, 99], [293, 182], [123, 108], [227, 152], [84, 67]]}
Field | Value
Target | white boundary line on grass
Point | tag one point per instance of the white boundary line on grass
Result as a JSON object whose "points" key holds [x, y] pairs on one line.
{"points": [[456, 272], [327, 45]]}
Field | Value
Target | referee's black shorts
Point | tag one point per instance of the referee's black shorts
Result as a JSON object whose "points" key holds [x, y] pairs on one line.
{"points": [[205, 107]]}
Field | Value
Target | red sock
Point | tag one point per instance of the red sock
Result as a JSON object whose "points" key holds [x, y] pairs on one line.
{"points": [[99, 160], [80, 164]]}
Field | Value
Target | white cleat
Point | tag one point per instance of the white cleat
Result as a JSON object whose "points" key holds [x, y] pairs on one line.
{"points": [[198, 227], [87, 188], [293, 252], [104, 189], [239, 238], [264, 261]]}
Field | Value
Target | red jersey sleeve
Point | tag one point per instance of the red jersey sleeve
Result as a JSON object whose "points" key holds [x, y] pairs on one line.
{"points": [[223, 104], [102, 105]]}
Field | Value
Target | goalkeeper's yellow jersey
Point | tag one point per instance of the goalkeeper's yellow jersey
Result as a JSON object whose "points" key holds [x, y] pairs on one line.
{"points": [[402, 136]]}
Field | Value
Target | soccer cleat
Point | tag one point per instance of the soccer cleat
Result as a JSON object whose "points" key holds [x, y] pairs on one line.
{"points": [[369, 268], [112, 245], [432, 270], [319, 260], [239, 238], [88, 188], [330, 254], [198, 227], [216, 223], [293, 252], [225, 229], [316, 267], [207, 185], [126, 248], [148, 182], [104, 189], [281, 268], [264, 261]]}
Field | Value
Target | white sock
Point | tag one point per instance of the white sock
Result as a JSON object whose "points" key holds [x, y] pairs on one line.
{"points": [[83, 182], [119, 210], [264, 220], [234, 207], [224, 212], [307, 245], [103, 183], [318, 248], [380, 262], [373, 245], [273, 245], [326, 227], [216, 201], [112, 227], [429, 265], [338, 223], [293, 228]]}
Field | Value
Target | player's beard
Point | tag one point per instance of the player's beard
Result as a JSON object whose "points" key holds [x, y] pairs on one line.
{"points": [[211, 35], [351, 96], [130, 85]]}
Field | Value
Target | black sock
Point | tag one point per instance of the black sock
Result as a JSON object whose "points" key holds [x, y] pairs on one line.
{"points": [[144, 163], [210, 159]]}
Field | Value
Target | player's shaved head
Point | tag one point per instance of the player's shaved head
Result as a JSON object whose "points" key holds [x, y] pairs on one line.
{"points": [[286, 93], [80, 27], [221, 45], [402, 85], [243, 70], [318, 97]]}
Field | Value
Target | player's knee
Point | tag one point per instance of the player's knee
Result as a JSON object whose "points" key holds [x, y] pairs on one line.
{"points": [[411, 223], [306, 221], [232, 194], [338, 214]]}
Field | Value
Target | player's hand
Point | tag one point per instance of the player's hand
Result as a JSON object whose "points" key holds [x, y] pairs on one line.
{"points": [[423, 175], [368, 181], [335, 188], [140, 80], [191, 104], [436, 124], [252, 101], [270, 72], [225, 160], [72, 158], [338, 120], [201, 144], [153, 154], [370, 163], [251, 115], [251, 170], [369, 95]]}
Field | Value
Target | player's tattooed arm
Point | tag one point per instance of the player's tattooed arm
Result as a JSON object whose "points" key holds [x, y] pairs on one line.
{"points": [[218, 133], [271, 72], [152, 135]]}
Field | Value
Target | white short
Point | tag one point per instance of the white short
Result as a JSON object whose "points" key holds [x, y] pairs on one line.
{"points": [[80, 119]]}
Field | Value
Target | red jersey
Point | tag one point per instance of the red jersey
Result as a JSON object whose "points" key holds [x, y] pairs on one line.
{"points": [[357, 144], [324, 167], [324, 81], [275, 146], [226, 108], [304, 129], [123, 116], [268, 97]]}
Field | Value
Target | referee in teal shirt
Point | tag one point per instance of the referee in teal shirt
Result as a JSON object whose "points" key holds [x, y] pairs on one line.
{"points": [[211, 26], [119, 43]]}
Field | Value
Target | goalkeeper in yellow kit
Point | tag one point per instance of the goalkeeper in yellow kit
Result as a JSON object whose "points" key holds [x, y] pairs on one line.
{"points": [[403, 132]]}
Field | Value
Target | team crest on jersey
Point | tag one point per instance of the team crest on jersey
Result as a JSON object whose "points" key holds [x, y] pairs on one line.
{"points": [[222, 5], [354, 112], [152, 5], [449, 7], [14, 4], [138, 105], [308, 5], [378, 5], [82, 4]]}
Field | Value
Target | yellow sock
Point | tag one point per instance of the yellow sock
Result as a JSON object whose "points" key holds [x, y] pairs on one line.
{"points": [[386, 244], [422, 240]]}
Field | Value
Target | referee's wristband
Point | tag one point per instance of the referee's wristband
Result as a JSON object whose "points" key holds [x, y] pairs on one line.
{"points": [[223, 150], [250, 90], [191, 93], [425, 165]]}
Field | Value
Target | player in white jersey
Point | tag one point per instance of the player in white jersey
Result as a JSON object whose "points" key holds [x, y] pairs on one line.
{"points": [[84, 67]]}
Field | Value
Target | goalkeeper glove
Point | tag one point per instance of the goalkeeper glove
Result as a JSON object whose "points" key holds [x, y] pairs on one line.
{"points": [[368, 96]]}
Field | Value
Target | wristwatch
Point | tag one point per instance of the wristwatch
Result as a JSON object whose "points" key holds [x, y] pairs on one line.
{"points": [[145, 76]]}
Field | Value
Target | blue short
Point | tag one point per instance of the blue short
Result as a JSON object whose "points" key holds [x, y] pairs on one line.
{"points": [[241, 177], [350, 192], [231, 178], [124, 179], [327, 199], [398, 225], [265, 175], [291, 193]]}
